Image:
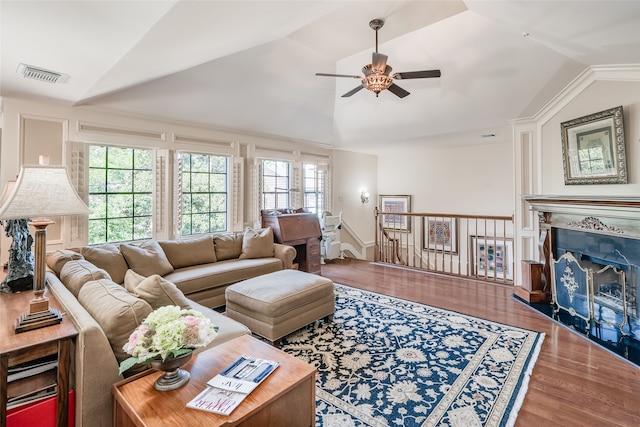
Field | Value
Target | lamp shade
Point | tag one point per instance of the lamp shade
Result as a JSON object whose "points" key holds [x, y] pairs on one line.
{"points": [[42, 191], [8, 189]]}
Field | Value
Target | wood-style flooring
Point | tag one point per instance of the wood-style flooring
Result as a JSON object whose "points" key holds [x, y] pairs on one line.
{"points": [[574, 382]]}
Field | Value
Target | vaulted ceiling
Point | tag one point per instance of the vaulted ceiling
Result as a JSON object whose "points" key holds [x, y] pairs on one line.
{"points": [[250, 65]]}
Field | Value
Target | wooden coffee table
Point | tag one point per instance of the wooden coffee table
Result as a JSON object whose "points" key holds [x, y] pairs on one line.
{"points": [[285, 398]]}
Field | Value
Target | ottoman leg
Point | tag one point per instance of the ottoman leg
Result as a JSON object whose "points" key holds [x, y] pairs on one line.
{"points": [[328, 319], [276, 343]]}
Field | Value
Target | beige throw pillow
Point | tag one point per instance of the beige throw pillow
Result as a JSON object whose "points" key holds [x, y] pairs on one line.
{"points": [[227, 245], [131, 280], [109, 258], [147, 258], [117, 312], [187, 252], [257, 244], [76, 273], [155, 290], [58, 258]]}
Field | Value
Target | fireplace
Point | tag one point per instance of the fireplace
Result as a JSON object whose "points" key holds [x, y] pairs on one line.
{"points": [[590, 251], [611, 264]]}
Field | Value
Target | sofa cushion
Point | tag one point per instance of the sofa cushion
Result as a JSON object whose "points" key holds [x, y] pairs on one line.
{"points": [[109, 258], [257, 244], [146, 258], [117, 312], [220, 274], [186, 252], [58, 258], [227, 245], [155, 290], [76, 273]]}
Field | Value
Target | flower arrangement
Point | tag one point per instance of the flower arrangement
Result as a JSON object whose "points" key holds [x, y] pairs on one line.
{"points": [[167, 332]]}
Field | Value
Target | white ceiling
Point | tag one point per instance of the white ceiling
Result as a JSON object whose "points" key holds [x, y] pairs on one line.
{"points": [[250, 65]]}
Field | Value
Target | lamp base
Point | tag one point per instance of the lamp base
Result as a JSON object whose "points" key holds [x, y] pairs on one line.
{"points": [[41, 319]]}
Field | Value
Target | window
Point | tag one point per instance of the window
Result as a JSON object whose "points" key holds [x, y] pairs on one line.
{"points": [[275, 184], [313, 178], [120, 194], [203, 201]]}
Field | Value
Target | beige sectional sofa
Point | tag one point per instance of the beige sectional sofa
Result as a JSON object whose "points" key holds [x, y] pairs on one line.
{"points": [[108, 290]]}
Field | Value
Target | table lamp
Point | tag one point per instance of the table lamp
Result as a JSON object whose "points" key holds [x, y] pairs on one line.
{"points": [[40, 192]]}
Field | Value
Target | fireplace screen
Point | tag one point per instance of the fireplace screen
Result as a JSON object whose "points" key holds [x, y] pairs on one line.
{"points": [[598, 296], [609, 297], [571, 285]]}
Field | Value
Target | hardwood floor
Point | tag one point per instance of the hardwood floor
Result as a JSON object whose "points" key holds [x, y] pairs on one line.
{"points": [[574, 382]]}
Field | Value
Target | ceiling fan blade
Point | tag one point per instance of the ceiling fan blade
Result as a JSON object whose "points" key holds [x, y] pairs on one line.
{"points": [[417, 74], [352, 91], [379, 62], [339, 75], [394, 88]]}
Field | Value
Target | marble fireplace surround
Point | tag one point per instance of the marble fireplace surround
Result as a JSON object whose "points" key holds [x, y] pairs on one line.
{"points": [[604, 229]]}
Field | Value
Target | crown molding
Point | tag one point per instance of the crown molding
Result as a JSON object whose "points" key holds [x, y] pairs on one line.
{"points": [[622, 72]]}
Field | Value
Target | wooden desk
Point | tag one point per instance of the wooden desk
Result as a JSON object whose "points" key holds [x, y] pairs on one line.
{"points": [[31, 345], [300, 230], [285, 398]]}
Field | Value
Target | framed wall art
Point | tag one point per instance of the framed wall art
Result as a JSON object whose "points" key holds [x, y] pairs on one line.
{"points": [[400, 204], [593, 149], [493, 256], [440, 234]]}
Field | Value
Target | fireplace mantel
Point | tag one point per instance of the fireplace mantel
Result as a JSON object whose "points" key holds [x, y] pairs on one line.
{"points": [[612, 207], [621, 215]]}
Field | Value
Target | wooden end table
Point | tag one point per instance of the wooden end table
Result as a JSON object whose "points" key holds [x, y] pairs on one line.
{"points": [[16, 348], [286, 397]]}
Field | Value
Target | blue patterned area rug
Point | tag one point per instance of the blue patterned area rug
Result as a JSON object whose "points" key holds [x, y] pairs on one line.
{"points": [[390, 362]]}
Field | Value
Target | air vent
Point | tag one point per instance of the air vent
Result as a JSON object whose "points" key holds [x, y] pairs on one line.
{"points": [[41, 74]]}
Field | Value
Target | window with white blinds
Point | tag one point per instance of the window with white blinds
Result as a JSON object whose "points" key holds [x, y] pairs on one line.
{"points": [[275, 184], [202, 193], [120, 192], [314, 187]]}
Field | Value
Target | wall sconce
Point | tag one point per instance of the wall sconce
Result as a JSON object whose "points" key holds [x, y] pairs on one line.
{"points": [[364, 197]]}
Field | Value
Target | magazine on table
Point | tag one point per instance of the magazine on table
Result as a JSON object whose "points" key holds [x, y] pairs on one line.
{"points": [[228, 389]]}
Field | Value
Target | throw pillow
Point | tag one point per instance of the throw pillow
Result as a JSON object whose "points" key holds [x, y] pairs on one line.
{"points": [[257, 244], [76, 273], [187, 252], [227, 245], [146, 258], [117, 312], [131, 280], [58, 258], [155, 290], [109, 258]]}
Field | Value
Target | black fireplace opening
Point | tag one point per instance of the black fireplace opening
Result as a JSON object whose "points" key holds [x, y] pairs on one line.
{"points": [[612, 262]]}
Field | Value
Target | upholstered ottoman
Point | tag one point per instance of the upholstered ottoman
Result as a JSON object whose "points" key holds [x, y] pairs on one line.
{"points": [[276, 304]]}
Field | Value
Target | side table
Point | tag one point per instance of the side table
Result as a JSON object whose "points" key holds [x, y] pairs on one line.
{"points": [[16, 348], [285, 398]]}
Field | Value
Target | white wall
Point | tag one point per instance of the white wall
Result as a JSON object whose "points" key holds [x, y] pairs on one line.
{"points": [[352, 173], [599, 96], [460, 179]]}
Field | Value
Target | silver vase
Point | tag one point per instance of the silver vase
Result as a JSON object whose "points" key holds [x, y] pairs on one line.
{"points": [[173, 377]]}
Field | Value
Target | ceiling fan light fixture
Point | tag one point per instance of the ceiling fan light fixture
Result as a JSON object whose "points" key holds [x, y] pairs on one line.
{"points": [[377, 82]]}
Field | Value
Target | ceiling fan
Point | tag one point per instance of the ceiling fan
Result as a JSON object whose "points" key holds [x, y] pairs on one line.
{"points": [[377, 75]]}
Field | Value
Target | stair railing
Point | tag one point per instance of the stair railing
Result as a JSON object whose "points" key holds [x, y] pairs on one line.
{"points": [[475, 246]]}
